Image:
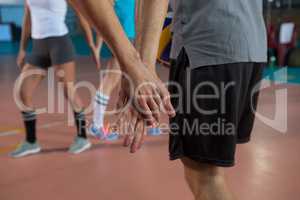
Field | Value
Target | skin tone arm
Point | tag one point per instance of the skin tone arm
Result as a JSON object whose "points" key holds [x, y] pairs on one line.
{"points": [[99, 38], [102, 16], [150, 18], [151, 15], [151, 97], [26, 34], [88, 34]]}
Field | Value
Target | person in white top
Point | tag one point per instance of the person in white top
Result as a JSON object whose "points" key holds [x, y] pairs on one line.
{"points": [[48, 18], [44, 22]]}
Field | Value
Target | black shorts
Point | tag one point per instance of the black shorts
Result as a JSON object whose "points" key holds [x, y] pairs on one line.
{"points": [[51, 51], [215, 108]]}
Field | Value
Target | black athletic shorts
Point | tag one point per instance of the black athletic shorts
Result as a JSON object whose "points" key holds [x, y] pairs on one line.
{"points": [[215, 108], [51, 51]]}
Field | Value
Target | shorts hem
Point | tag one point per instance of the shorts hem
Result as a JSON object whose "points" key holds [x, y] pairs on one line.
{"points": [[64, 61], [38, 65], [244, 140], [49, 66], [216, 162]]}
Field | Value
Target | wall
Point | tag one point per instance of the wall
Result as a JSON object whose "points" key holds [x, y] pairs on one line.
{"points": [[13, 2], [12, 14]]}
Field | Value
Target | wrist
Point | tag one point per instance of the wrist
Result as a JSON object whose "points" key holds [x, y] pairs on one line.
{"points": [[151, 66], [130, 60]]}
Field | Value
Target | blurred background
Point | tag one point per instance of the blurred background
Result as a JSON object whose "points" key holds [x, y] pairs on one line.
{"points": [[282, 21], [11, 17], [266, 166]]}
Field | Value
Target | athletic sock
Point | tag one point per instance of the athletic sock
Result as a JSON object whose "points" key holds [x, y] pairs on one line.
{"points": [[100, 105], [80, 124], [29, 118]]}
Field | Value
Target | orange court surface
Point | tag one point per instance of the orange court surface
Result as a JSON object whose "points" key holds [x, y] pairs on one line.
{"points": [[266, 169]]}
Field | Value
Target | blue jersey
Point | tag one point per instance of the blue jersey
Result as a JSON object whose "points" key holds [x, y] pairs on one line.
{"points": [[125, 11]]}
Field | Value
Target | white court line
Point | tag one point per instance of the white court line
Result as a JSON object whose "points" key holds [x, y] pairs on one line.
{"points": [[45, 126], [8, 133], [18, 131]]}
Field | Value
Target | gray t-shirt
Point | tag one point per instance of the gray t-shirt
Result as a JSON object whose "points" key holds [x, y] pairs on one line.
{"points": [[215, 32]]}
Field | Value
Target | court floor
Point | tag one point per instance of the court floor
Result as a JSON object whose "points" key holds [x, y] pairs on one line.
{"points": [[267, 168]]}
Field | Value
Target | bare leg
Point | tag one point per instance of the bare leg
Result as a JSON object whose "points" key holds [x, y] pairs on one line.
{"points": [[108, 83], [111, 79], [30, 82], [66, 75], [31, 77], [207, 182]]}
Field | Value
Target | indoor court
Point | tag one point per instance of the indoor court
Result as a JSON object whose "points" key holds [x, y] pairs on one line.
{"points": [[264, 171]]}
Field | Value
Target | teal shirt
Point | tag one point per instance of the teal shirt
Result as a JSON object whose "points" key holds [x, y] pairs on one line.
{"points": [[125, 11]]}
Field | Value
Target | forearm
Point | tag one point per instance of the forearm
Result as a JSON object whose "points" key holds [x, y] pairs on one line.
{"points": [[151, 15], [102, 16], [26, 29], [138, 24]]}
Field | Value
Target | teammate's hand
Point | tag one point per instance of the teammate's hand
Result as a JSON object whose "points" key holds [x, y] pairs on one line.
{"points": [[140, 103], [21, 58], [136, 131], [151, 97], [130, 123]]}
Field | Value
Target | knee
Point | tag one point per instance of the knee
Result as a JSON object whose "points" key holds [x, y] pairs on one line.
{"points": [[25, 97], [65, 87]]}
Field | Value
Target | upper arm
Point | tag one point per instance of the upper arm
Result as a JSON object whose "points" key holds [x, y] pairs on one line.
{"points": [[27, 18]]}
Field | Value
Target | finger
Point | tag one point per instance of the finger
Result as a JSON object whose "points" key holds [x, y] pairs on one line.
{"points": [[126, 141], [154, 108], [138, 137], [141, 142], [158, 99], [170, 109], [159, 102], [167, 102], [131, 120], [145, 110]]}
